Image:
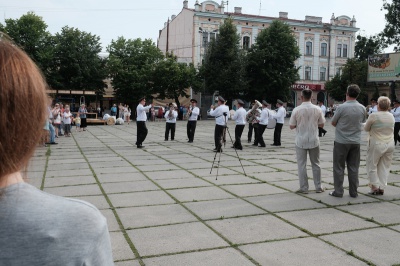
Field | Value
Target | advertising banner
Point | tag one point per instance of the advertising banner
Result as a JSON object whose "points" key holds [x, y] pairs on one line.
{"points": [[383, 67]]}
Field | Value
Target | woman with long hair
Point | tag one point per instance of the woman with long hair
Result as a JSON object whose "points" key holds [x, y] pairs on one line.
{"points": [[37, 228]]}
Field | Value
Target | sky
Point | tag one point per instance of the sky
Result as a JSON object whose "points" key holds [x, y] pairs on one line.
{"points": [[143, 19]]}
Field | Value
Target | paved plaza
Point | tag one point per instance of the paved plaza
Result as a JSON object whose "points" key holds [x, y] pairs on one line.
{"points": [[163, 206]]}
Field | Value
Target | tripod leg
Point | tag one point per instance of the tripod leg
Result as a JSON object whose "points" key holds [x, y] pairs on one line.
{"points": [[236, 152]]}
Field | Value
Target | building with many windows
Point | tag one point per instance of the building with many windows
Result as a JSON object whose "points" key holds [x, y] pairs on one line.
{"points": [[324, 47]]}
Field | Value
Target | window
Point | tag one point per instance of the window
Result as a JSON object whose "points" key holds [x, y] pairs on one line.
{"points": [[339, 50], [205, 38], [308, 48], [213, 36], [246, 42], [344, 50], [307, 73], [339, 71], [322, 73], [323, 49]]}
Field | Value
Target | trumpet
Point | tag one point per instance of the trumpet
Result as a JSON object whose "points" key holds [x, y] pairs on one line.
{"points": [[251, 116]]}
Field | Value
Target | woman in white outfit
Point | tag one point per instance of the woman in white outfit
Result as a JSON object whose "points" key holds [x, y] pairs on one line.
{"points": [[380, 126]]}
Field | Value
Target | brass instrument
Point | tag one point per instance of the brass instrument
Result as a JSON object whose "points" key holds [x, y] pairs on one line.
{"points": [[189, 113], [251, 116], [171, 111]]}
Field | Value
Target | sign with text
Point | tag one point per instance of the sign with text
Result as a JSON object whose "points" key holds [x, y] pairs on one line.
{"points": [[383, 67], [313, 87]]}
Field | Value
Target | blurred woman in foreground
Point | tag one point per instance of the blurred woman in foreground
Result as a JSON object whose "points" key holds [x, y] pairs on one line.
{"points": [[37, 228]]}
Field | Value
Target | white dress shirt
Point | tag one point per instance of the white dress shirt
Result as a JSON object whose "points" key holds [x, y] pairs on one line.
{"points": [[169, 119], [280, 115], [306, 117], [373, 109], [240, 116], [141, 112], [195, 113], [264, 116], [396, 114], [219, 114], [323, 109]]}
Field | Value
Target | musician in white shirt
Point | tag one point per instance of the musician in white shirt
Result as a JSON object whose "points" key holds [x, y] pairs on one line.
{"points": [[170, 119], [262, 124], [240, 120], [194, 112], [373, 108], [141, 122], [221, 114], [396, 113], [321, 130], [280, 118]]}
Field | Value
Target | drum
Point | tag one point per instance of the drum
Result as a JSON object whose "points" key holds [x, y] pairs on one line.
{"points": [[119, 121], [106, 116], [271, 120], [111, 120], [232, 113]]}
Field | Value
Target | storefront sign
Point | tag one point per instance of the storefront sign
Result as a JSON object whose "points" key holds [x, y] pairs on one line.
{"points": [[313, 87]]}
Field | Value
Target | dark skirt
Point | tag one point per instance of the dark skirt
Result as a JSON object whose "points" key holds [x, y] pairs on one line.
{"points": [[83, 122]]}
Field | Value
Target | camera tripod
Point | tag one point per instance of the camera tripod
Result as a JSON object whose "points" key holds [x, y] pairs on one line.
{"points": [[219, 148]]}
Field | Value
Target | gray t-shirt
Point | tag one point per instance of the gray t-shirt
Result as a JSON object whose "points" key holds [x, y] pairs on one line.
{"points": [[348, 118], [37, 228]]}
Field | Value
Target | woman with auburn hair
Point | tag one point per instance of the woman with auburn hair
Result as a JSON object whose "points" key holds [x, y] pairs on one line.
{"points": [[380, 126], [37, 228]]}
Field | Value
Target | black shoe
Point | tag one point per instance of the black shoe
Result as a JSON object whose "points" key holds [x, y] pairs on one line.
{"points": [[190, 141], [52, 143], [249, 141], [140, 146], [324, 133], [165, 139], [354, 195], [334, 194], [262, 146], [320, 136], [217, 150], [254, 144], [172, 139]]}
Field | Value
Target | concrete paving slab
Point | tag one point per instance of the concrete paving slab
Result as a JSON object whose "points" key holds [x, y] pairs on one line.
{"points": [[112, 170], [289, 252], [391, 193], [230, 179], [275, 176], [182, 183], [72, 191], [154, 216], [174, 238], [158, 167], [120, 187], [252, 169], [206, 172], [325, 221], [225, 256], [255, 229], [111, 220], [72, 172], [140, 199], [127, 263], [198, 194], [375, 245], [381, 212], [69, 181], [66, 166], [121, 177], [225, 208], [120, 248], [346, 200], [287, 202], [169, 174], [253, 189]]}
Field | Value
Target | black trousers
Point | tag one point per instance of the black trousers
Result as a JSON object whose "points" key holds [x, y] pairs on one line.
{"points": [[260, 132], [219, 130], [277, 134], [255, 128], [238, 134], [170, 127], [396, 132], [321, 131], [190, 129], [141, 132]]}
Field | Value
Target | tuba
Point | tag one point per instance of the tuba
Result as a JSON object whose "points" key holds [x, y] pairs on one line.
{"points": [[251, 116], [189, 112]]}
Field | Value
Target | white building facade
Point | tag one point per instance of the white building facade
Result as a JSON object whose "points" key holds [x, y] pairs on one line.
{"points": [[324, 47]]}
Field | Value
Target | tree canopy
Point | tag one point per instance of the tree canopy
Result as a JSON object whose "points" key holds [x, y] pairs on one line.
{"points": [[271, 68], [391, 32], [366, 46]]}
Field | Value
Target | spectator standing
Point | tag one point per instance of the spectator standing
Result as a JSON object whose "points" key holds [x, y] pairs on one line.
{"points": [[380, 146], [114, 110], [82, 114], [396, 113], [307, 119], [57, 118], [347, 120], [321, 130], [280, 119], [67, 119]]}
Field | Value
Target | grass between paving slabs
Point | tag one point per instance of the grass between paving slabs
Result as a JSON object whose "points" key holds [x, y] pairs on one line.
{"points": [[234, 245], [128, 240], [48, 153]]}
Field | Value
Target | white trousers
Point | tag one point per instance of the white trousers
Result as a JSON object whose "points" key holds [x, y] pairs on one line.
{"points": [[379, 160]]}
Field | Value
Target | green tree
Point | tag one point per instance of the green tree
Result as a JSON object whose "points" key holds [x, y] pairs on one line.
{"points": [[130, 65], [222, 69], [367, 46], [77, 61], [171, 79], [271, 66], [30, 33], [353, 72], [391, 32]]}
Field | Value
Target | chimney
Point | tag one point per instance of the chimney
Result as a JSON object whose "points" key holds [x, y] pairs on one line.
{"points": [[197, 6], [353, 21], [238, 10], [222, 7], [283, 15], [185, 4], [333, 18]]}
